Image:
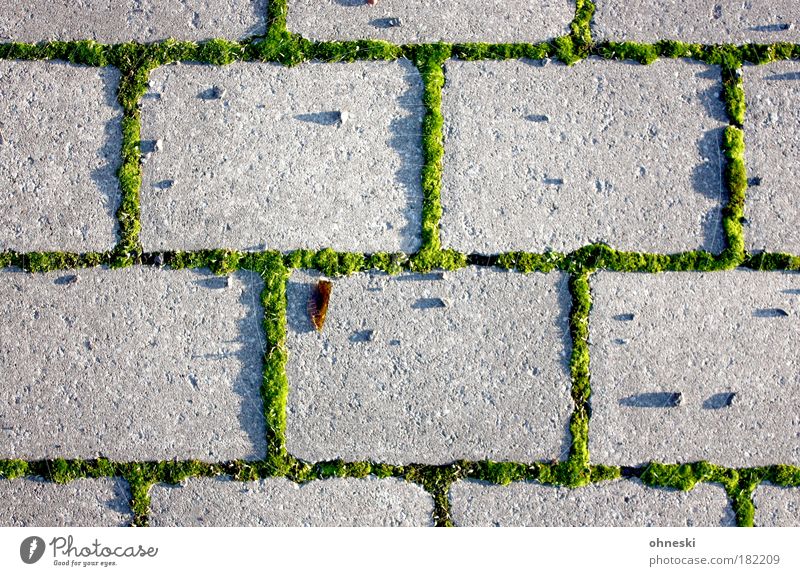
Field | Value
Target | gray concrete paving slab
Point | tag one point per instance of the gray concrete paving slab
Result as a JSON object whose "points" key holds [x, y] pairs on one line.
{"points": [[776, 505], [281, 502], [702, 21], [115, 21], [259, 155], [543, 156], [615, 503], [420, 21], [431, 368], [772, 149], [689, 366], [131, 364], [82, 502], [60, 145]]}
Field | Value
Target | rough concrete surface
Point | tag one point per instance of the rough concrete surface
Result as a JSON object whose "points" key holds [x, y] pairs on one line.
{"points": [[114, 21], [430, 369], [59, 151], [82, 502], [281, 502], [772, 150], [703, 21], [616, 503], [131, 364], [725, 341], [432, 20], [256, 155], [542, 156], [776, 505]]}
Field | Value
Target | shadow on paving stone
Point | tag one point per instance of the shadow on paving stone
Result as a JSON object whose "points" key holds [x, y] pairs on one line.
{"points": [[297, 298], [406, 135], [251, 414], [328, 118], [784, 77]]}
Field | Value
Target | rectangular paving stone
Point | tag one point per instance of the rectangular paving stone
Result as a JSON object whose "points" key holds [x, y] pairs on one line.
{"points": [[776, 505], [701, 21], [60, 140], [116, 21], [254, 155], [82, 502], [772, 150], [616, 503], [430, 368], [420, 21], [689, 366], [131, 364], [281, 502], [543, 156]]}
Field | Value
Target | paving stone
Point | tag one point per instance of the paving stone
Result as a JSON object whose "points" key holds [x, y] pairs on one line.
{"points": [[772, 147], [690, 366], [776, 505], [131, 364], [271, 163], [600, 151], [432, 21], [616, 503], [281, 502], [82, 502], [59, 153], [431, 368], [115, 21], [702, 21]]}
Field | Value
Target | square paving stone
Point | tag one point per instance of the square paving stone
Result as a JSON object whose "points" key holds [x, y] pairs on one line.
{"points": [[60, 141], [420, 21], [543, 156], [776, 505], [700, 21], [689, 366], [116, 21], [131, 364], [431, 368], [772, 152], [257, 155]]}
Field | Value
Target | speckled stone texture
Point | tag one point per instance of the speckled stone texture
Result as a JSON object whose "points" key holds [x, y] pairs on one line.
{"points": [[543, 156], [59, 152], [772, 152], [725, 341], [256, 155], [432, 20], [82, 502], [431, 368], [115, 21], [281, 502], [616, 503], [701, 21], [130, 364], [776, 505]]}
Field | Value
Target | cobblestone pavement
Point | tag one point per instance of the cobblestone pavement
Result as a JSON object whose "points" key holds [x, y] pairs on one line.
{"points": [[296, 262]]}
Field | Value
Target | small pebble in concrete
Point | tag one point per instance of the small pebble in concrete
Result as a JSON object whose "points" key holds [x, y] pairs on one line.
{"points": [[772, 144], [83, 502], [476, 379], [616, 503], [58, 169], [776, 505], [700, 344], [281, 502], [701, 21], [630, 155], [129, 396]]}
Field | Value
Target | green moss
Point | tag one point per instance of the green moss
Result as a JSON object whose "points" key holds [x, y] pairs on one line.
{"points": [[642, 53], [355, 50], [580, 28], [276, 16], [483, 51], [772, 261], [437, 481], [674, 49], [10, 469], [736, 181], [526, 262], [579, 371]]}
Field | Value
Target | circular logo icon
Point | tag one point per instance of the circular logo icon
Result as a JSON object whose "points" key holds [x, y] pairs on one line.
{"points": [[31, 550]]}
